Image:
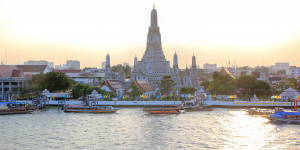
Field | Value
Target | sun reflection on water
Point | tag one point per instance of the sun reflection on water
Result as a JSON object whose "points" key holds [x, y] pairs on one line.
{"points": [[247, 131]]}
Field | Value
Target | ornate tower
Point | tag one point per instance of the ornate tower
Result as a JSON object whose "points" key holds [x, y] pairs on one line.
{"points": [[175, 75], [107, 68], [194, 76], [135, 64], [153, 65], [175, 63]]}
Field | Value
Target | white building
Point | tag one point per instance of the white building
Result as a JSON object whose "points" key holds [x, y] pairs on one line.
{"points": [[210, 66], [103, 64], [293, 72], [280, 66], [73, 64], [92, 78]]}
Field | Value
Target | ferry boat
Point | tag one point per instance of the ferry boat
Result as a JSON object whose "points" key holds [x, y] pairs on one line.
{"points": [[283, 116], [198, 108], [7, 108], [173, 110], [258, 111], [90, 109]]}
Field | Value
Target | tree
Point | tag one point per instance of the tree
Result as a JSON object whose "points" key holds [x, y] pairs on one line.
{"points": [[56, 81], [187, 90], [166, 85], [246, 82], [205, 83], [281, 72], [222, 84], [288, 83], [262, 88], [252, 86], [53, 81], [119, 67], [135, 91]]}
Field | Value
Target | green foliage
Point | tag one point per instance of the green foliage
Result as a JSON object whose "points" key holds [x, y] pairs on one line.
{"points": [[188, 90], [53, 81], [56, 81], [288, 83], [281, 72], [222, 84], [262, 69], [166, 85], [252, 86], [119, 67], [135, 91], [216, 74], [205, 83], [247, 82]]}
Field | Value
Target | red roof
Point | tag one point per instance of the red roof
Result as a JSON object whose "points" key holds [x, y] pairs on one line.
{"points": [[32, 68], [7, 70], [113, 85], [144, 86], [67, 71]]}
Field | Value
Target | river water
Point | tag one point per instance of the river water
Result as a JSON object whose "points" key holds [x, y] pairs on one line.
{"points": [[133, 128]]}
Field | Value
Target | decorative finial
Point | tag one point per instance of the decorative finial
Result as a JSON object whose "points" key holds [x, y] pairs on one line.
{"points": [[153, 5]]}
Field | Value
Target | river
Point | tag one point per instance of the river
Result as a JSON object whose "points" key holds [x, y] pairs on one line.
{"points": [[133, 128]]}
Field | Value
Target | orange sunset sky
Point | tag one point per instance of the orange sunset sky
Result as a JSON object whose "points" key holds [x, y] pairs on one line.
{"points": [[250, 32]]}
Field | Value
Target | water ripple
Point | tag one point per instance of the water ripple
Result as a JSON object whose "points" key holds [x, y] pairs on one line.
{"points": [[132, 128]]}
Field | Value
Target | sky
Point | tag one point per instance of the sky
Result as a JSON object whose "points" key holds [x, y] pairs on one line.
{"points": [[248, 32]]}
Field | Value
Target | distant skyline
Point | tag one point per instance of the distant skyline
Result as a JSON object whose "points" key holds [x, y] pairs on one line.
{"points": [[248, 32]]}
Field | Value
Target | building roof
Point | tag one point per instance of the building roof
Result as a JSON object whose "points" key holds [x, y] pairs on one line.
{"points": [[67, 71], [274, 79], [226, 71], [144, 86], [6, 71], [32, 68], [16, 73], [113, 85]]}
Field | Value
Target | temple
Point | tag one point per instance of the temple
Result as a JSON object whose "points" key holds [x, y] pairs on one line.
{"points": [[153, 65]]}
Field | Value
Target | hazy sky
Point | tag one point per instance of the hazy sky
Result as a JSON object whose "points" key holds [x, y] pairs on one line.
{"points": [[250, 32]]}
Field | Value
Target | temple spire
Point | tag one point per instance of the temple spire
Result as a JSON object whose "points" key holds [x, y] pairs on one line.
{"points": [[194, 61], [153, 17]]}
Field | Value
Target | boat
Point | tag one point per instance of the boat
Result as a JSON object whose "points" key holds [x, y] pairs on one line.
{"points": [[258, 111], [164, 110], [90, 109], [7, 108], [197, 108], [248, 104], [284, 116]]}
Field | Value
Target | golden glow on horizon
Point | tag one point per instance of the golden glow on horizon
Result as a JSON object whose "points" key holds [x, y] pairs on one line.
{"points": [[249, 32]]}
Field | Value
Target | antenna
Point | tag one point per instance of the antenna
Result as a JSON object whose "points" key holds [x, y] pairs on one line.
{"points": [[6, 52]]}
